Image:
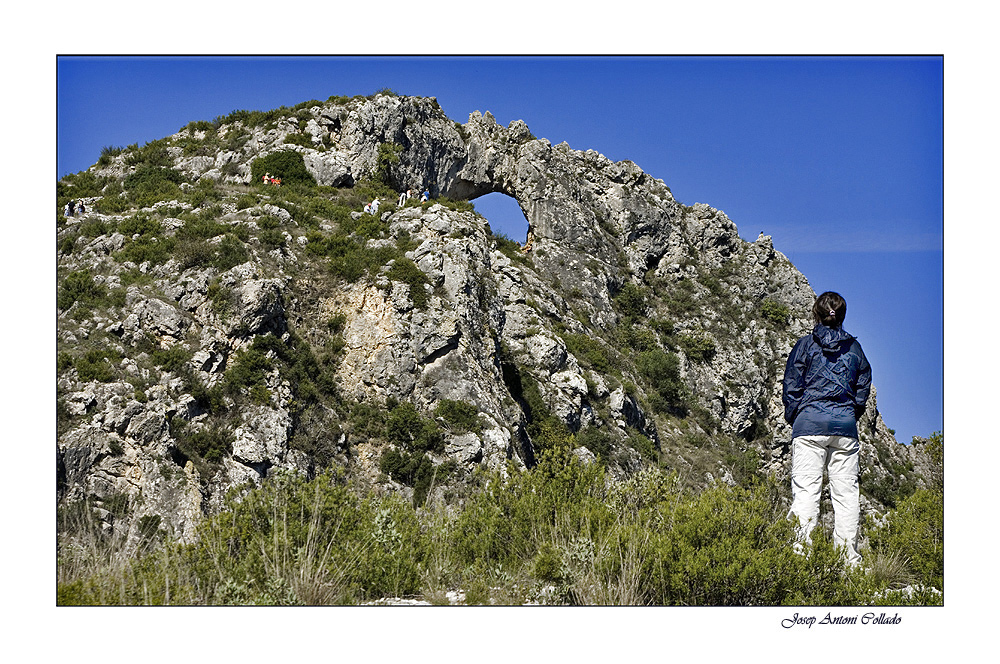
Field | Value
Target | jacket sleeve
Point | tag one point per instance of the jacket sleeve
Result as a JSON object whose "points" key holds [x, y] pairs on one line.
{"points": [[793, 386], [862, 383]]}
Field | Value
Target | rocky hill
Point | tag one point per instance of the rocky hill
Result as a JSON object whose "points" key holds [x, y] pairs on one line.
{"points": [[212, 328]]}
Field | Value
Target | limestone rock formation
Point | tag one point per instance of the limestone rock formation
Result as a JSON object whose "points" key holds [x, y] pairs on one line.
{"points": [[227, 329]]}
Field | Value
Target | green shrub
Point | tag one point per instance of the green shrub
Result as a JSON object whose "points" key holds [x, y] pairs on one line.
{"points": [[205, 445], [643, 445], [413, 469], [406, 428], [915, 531], [631, 301], [201, 227], [79, 286], [351, 260], [191, 253], [406, 271], [636, 337], [349, 264], [698, 347], [230, 253], [96, 227], [714, 286], [388, 156], [661, 370], [114, 201], [560, 533], [680, 298], [153, 154], [287, 165], [150, 184], [460, 416], [305, 140], [337, 322], [545, 430], [145, 241], [367, 420], [774, 312], [97, 365], [78, 185], [244, 201], [211, 399], [108, 152], [173, 358], [155, 249], [139, 224], [64, 362], [733, 546], [247, 374], [597, 441], [271, 238], [588, 348], [455, 205], [310, 377], [293, 541]]}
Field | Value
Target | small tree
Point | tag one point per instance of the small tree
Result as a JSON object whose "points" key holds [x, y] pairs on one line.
{"points": [[388, 156]]}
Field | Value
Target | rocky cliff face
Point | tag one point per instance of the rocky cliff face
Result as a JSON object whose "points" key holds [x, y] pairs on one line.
{"points": [[212, 329]]}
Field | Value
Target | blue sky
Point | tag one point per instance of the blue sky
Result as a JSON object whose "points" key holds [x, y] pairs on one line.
{"points": [[839, 159]]}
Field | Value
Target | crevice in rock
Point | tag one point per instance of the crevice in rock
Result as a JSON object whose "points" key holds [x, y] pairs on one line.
{"points": [[450, 345]]}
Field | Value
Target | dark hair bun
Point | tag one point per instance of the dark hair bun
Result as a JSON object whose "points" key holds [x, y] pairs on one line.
{"points": [[830, 309]]}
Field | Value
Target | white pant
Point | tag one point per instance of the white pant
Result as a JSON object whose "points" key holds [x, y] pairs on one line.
{"points": [[839, 456]]}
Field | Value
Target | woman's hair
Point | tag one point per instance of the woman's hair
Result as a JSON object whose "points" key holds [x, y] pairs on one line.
{"points": [[830, 309]]}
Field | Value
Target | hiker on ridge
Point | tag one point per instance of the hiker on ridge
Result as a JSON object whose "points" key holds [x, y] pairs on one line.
{"points": [[825, 391]]}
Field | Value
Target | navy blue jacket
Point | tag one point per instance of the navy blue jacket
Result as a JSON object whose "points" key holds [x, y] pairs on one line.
{"points": [[826, 385]]}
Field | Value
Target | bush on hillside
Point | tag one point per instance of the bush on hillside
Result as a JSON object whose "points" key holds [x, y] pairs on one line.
{"points": [[406, 271], [915, 530], [460, 416], [151, 184], [559, 533], [631, 301], [775, 312], [661, 370], [287, 165]]}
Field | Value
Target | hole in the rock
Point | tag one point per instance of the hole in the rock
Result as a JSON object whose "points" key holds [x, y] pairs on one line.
{"points": [[504, 215]]}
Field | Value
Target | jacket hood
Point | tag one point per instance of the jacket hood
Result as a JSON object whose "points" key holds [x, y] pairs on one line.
{"points": [[831, 338]]}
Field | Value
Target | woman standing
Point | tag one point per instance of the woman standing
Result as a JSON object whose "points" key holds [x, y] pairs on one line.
{"points": [[825, 391]]}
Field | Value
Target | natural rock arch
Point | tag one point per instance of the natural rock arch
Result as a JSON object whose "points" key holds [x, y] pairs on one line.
{"points": [[504, 214]]}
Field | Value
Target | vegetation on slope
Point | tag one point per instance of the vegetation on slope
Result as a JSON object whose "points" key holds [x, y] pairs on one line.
{"points": [[560, 534]]}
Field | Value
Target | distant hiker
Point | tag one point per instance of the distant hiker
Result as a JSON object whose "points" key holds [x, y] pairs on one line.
{"points": [[70, 208], [276, 182], [83, 210], [425, 196], [402, 198], [266, 178], [825, 391], [368, 208], [375, 206]]}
